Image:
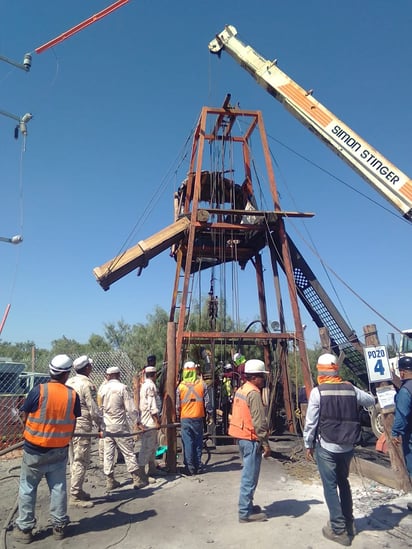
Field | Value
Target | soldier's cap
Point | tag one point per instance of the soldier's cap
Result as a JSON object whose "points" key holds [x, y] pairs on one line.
{"points": [[113, 370], [151, 358], [81, 362]]}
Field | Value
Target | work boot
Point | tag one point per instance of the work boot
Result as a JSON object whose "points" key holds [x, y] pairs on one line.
{"points": [[59, 532], [22, 536], [342, 538], [155, 471], [139, 478], [81, 494], [351, 528], [75, 501], [254, 517], [111, 483]]}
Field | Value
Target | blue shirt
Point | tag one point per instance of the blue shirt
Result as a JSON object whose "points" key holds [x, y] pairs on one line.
{"points": [[402, 423]]}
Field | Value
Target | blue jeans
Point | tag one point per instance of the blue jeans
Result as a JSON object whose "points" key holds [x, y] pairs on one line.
{"points": [[51, 465], [334, 472], [251, 454], [407, 452], [192, 440]]}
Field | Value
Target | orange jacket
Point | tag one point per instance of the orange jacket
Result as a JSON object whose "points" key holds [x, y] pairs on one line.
{"points": [[192, 399], [52, 424], [241, 425]]}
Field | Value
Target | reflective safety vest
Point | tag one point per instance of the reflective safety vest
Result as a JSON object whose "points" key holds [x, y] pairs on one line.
{"points": [[191, 399], [52, 424], [241, 425], [339, 420]]}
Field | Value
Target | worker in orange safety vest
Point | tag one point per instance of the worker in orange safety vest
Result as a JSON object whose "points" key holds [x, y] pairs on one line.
{"points": [[249, 426], [49, 414], [192, 400]]}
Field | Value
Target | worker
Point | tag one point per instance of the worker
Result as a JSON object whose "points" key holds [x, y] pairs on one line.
{"points": [[150, 422], [49, 415], [331, 430], [240, 361], [151, 361], [81, 446], [192, 400], [402, 423], [249, 426], [118, 409]]}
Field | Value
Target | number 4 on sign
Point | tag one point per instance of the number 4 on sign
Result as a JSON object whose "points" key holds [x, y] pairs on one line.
{"points": [[377, 363], [379, 367]]}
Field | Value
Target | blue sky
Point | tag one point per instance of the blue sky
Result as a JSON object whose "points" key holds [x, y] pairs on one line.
{"points": [[113, 107]]}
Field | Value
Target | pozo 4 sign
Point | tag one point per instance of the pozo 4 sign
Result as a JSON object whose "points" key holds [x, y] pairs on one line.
{"points": [[377, 363]]}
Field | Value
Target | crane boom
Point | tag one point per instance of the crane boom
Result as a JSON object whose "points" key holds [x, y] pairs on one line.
{"points": [[382, 175]]}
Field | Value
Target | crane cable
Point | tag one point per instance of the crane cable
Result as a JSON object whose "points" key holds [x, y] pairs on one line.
{"points": [[158, 194], [314, 251]]}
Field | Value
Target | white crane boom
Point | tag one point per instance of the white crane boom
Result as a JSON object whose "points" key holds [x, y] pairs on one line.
{"points": [[381, 174]]}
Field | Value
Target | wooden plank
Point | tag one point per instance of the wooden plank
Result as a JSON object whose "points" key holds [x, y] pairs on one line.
{"points": [[376, 472], [140, 254]]}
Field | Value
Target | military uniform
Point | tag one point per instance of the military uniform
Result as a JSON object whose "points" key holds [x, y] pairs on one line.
{"points": [[118, 406], [149, 412], [80, 446]]}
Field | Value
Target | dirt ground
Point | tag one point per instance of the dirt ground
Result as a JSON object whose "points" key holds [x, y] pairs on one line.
{"points": [[194, 512]]}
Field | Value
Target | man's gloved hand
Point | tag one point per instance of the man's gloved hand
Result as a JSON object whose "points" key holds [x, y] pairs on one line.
{"points": [[209, 419]]}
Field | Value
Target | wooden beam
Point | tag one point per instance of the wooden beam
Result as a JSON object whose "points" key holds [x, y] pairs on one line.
{"points": [[374, 471]]}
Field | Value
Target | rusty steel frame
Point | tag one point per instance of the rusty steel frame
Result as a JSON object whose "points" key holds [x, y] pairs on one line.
{"points": [[188, 251]]}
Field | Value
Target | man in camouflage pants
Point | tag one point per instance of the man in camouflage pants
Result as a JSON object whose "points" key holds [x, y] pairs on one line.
{"points": [[80, 446]]}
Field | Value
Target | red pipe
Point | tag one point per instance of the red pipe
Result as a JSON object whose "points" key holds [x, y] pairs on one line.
{"points": [[81, 26], [3, 322]]}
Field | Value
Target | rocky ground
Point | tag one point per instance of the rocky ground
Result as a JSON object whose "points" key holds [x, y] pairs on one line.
{"points": [[193, 512]]}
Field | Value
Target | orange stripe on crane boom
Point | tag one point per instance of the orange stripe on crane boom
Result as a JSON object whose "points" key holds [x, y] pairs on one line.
{"points": [[302, 100], [406, 189]]}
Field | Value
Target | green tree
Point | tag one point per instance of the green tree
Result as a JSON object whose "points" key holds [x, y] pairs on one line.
{"points": [[116, 334], [65, 346], [97, 344], [25, 352], [140, 340]]}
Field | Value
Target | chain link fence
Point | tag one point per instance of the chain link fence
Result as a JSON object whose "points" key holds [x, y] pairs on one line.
{"points": [[16, 381]]}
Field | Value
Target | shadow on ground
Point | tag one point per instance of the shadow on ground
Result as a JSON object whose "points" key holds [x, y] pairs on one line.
{"points": [[290, 507]]}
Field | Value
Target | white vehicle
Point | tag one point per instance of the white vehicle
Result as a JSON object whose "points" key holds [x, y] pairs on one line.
{"points": [[405, 349]]}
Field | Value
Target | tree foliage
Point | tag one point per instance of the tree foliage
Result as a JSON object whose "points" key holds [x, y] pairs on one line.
{"points": [[140, 340], [26, 352]]}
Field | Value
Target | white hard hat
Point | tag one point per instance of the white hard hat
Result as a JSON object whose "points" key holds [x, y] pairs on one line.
{"points": [[150, 369], [327, 358], [60, 364], [81, 362], [189, 365], [255, 366], [327, 365]]}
